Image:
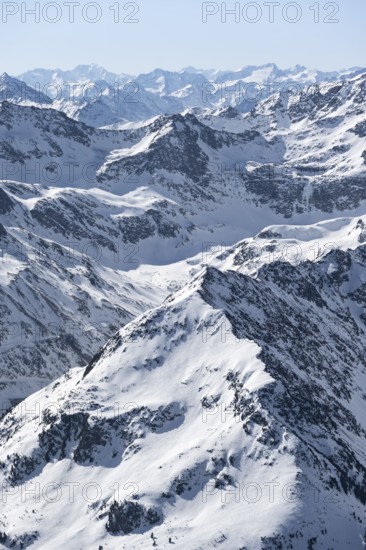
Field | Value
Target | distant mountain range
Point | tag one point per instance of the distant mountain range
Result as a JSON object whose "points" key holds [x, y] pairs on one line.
{"points": [[97, 97]]}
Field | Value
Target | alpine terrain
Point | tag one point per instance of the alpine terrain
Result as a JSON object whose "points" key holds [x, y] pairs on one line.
{"points": [[183, 309]]}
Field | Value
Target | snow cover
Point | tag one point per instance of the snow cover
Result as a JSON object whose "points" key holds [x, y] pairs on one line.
{"points": [[213, 383], [175, 380]]}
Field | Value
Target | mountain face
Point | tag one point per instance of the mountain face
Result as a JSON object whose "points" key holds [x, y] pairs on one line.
{"points": [[45, 146], [72, 273], [18, 92], [179, 148], [239, 396], [322, 130]]}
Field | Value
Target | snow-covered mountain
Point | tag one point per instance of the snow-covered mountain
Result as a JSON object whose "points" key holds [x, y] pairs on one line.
{"points": [[76, 265], [81, 73], [81, 248], [241, 396], [16, 91], [183, 306], [271, 74], [322, 130], [157, 193], [98, 97], [296, 153]]}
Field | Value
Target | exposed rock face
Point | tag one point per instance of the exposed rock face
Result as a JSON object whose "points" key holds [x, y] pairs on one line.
{"points": [[126, 517]]}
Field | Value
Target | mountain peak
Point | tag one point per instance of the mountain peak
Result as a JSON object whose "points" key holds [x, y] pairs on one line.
{"points": [[5, 77]]}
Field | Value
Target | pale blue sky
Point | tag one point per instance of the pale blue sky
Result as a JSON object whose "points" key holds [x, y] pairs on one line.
{"points": [[170, 34]]}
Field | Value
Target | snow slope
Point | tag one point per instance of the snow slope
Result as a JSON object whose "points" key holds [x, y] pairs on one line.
{"points": [[226, 404]]}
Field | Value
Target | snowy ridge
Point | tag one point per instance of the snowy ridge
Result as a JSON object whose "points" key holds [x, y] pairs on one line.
{"points": [[250, 405], [72, 272], [183, 306], [106, 203], [15, 91]]}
